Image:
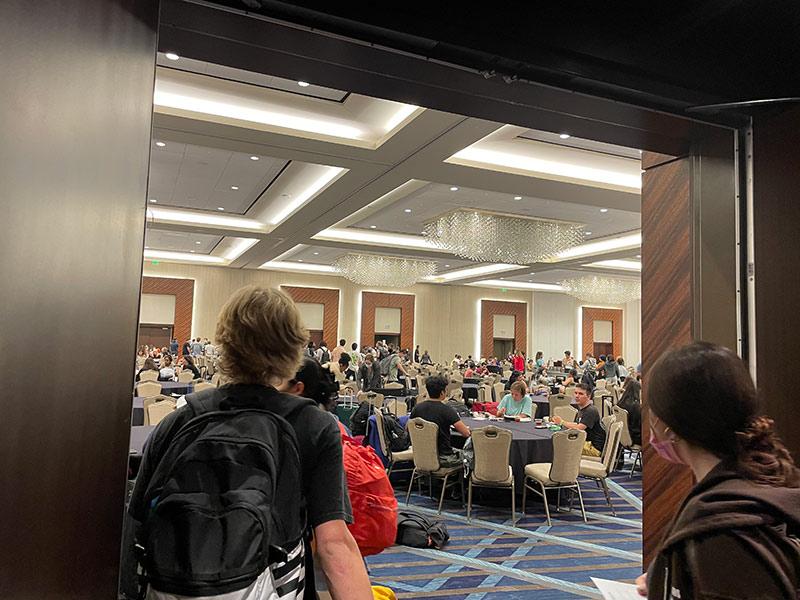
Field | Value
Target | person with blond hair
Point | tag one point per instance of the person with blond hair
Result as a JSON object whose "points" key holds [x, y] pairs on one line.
{"points": [[264, 489]]}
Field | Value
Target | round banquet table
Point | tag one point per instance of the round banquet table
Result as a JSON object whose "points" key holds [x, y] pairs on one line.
{"points": [[175, 387], [529, 445], [137, 417]]}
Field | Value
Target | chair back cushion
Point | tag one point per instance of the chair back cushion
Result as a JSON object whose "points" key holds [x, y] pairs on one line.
{"points": [[499, 391], [625, 436], [424, 436], [612, 445], [492, 447], [567, 449], [148, 388], [148, 375], [568, 413], [185, 376]]}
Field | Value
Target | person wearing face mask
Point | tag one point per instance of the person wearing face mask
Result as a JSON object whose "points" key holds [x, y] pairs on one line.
{"points": [[744, 510], [369, 374]]}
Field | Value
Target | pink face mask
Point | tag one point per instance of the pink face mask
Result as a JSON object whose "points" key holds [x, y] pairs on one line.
{"points": [[665, 449]]}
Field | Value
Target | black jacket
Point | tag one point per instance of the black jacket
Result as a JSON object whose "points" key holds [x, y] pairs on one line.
{"points": [[732, 539]]}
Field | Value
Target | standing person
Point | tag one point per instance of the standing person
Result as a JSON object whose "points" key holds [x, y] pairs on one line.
{"points": [[518, 364], [323, 355], [261, 337], [589, 362], [209, 349], [186, 349], [310, 351], [416, 355], [393, 366], [426, 359], [338, 351], [197, 347], [588, 420], [622, 372], [568, 362], [369, 374], [445, 416], [174, 347], [539, 360], [611, 369], [735, 534]]}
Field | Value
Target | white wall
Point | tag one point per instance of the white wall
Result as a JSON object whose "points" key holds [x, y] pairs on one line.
{"points": [[387, 320], [632, 336], [158, 309], [313, 315], [503, 326], [555, 319]]}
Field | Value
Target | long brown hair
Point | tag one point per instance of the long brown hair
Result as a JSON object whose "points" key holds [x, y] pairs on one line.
{"points": [[705, 394]]}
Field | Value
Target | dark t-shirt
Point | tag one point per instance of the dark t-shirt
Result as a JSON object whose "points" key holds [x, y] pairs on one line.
{"points": [[594, 430], [319, 443], [444, 416]]}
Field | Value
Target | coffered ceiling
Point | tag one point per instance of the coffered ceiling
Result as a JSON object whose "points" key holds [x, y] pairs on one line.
{"points": [[250, 171]]}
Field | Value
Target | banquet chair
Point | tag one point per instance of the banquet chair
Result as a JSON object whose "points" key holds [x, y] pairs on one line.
{"points": [[599, 471], [159, 410], [203, 385], [392, 457], [215, 379], [394, 385], [140, 361], [185, 376], [149, 375], [562, 473], [557, 400], [396, 406], [625, 438], [426, 458], [569, 391], [148, 388], [568, 413], [374, 399], [457, 394], [485, 393], [146, 402], [499, 391], [608, 408], [600, 384], [506, 374], [350, 387], [492, 448]]}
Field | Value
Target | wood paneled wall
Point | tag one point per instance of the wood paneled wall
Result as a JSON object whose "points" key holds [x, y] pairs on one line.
{"points": [[183, 290], [589, 315], [372, 300], [667, 315], [330, 312], [490, 308]]}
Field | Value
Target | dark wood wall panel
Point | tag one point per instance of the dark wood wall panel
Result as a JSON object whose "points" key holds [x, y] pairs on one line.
{"points": [[330, 312], [75, 113], [490, 308], [776, 219], [589, 316], [667, 312], [372, 300], [183, 290]]}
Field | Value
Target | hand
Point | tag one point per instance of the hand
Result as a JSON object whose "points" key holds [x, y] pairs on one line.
{"points": [[641, 584], [557, 420]]}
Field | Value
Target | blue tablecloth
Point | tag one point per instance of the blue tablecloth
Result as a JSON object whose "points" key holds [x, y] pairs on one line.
{"points": [[373, 440]]}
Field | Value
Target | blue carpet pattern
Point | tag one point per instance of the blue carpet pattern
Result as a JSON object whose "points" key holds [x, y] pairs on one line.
{"points": [[490, 558]]}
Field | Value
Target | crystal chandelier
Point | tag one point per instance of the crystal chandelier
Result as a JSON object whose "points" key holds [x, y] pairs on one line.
{"points": [[492, 237], [603, 290], [383, 271]]}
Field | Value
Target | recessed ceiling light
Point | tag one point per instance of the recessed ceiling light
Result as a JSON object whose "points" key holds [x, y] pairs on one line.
{"points": [[160, 144], [220, 208], [316, 253], [407, 210], [147, 247], [299, 260], [172, 56], [373, 226], [234, 187], [447, 265], [192, 251], [530, 280], [603, 210], [564, 136], [198, 242], [638, 256], [517, 197], [153, 200], [454, 189], [303, 83], [254, 158], [587, 233], [531, 273]]}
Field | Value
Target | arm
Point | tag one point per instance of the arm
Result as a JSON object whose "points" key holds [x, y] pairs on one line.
{"points": [[341, 562], [568, 424], [501, 408], [462, 428]]}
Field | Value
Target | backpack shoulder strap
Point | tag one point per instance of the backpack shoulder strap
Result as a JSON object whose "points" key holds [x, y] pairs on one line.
{"points": [[204, 401]]}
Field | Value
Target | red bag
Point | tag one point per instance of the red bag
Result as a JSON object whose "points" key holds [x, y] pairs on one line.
{"points": [[372, 498]]}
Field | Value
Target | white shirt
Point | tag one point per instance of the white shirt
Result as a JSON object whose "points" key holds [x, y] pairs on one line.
{"points": [[166, 373]]}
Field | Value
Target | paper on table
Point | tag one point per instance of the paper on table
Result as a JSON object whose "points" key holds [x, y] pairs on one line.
{"points": [[614, 590]]}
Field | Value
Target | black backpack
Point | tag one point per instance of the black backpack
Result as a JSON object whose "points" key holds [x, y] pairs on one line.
{"points": [[461, 409], [397, 436], [226, 492], [326, 357], [358, 421], [418, 531]]}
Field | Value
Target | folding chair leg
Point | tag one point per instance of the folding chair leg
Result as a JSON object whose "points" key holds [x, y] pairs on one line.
{"points": [[463, 497], [469, 501], [513, 502], [608, 497], [441, 496], [580, 498], [546, 507], [524, 493], [411, 484]]}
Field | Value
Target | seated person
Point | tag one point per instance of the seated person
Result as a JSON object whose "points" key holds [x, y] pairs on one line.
{"points": [[570, 379], [167, 372], [469, 373], [445, 416], [516, 404], [149, 365], [568, 362], [187, 362], [481, 370], [588, 420], [314, 382], [515, 375], [631, 401], [344, 367]]}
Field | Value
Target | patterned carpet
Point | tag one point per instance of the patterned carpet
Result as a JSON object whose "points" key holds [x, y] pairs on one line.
{"points": [[490, 558]]}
